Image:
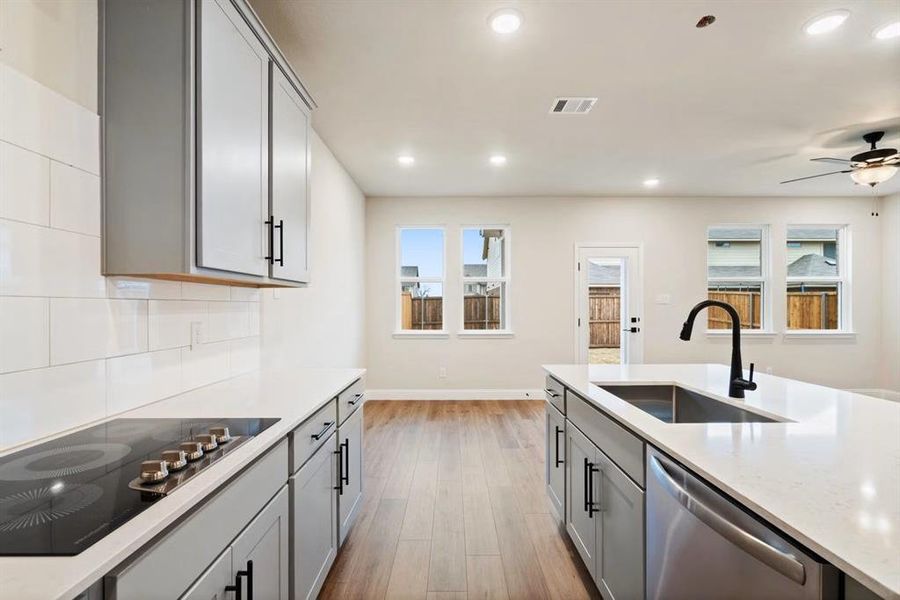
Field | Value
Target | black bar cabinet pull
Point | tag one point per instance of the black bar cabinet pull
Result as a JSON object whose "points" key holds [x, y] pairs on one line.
{"points": [[558, 461], [356, 398], [317, 436], [271, 256], [345, 471], [592, 468], [340, 474], [552, 393], [280, 227], [587, 485], [249, 573], [237, 588]]}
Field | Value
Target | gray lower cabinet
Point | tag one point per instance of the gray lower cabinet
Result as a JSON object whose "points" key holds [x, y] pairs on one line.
{"points": [[212, 584], [555, 460], [604, 518], [350, 454], [314, 541]]}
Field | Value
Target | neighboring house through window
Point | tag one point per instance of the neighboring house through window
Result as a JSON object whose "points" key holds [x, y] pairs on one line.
{"points": [[485, 278], [420, 255], [817, 282], [737, 273]]}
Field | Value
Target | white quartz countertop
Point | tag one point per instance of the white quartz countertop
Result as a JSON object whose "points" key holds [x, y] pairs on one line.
{"points": [[830, 478], [291, 395]]}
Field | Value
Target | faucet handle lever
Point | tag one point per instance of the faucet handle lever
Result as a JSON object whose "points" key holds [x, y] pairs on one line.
{"points": [[751, 373]]}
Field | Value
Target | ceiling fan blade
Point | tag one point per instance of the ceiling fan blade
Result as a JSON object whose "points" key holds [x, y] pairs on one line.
{"points": [[841, 161], [819, 175]]}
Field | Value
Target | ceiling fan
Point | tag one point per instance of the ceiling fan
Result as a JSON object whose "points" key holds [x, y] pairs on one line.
{"points": [[871, 167]]}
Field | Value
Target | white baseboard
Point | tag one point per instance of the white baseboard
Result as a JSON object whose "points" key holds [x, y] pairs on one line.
{"points": [[878, 393], [455, 394]]}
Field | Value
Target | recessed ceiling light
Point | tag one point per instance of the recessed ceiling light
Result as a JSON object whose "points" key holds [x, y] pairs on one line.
{"points": [[826, 22], [498, 160], [651, 183], [887, 32], [406, 160], [505, 20]]}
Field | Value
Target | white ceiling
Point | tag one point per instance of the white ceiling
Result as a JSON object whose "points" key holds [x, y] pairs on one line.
{"points": [[728, 110]]}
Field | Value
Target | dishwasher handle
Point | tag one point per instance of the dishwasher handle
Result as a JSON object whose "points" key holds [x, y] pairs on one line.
{"points": [[784, 563]]}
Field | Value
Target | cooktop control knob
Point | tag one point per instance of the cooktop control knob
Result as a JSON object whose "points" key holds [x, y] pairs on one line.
{"points": [[208, 441], [192, 450], [153, 471], [221, 433], [175, 459]]}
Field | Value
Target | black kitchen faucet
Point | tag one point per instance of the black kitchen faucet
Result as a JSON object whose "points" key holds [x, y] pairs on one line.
{"points": [[736, 384]]}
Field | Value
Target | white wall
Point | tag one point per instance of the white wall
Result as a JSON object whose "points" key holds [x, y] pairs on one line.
{"points": [[75, 346], [890, 306], [323, 324], [673, 234]]}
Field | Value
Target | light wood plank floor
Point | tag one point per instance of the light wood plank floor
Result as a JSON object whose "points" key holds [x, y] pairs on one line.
{"points": [[455, 508]]}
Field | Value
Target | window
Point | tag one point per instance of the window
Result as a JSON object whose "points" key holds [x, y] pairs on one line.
{"points": [[485, 278], [736, 273], [816, 278], [421, 278]]}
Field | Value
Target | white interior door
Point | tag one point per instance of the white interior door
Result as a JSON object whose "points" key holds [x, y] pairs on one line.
{"points": [[609, 292]]}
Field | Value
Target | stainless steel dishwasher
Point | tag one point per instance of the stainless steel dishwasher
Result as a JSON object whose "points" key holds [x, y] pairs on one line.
{"points": [[702, 546]]}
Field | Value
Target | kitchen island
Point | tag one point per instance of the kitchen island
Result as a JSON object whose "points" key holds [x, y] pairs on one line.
{"points": [[822, 466], [291, 395]]}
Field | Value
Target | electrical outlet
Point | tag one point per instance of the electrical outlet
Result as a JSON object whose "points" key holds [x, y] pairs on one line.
{"points": [[276, 293], [442, 372], [197, 333]]}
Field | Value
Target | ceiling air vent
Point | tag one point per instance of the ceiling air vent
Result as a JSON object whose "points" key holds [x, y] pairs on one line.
{"points": [[572, 106]]}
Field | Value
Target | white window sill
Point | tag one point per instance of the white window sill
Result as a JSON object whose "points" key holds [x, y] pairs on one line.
{"points": [[486, 333], [426, 334], [750, 333], [824, 334]]}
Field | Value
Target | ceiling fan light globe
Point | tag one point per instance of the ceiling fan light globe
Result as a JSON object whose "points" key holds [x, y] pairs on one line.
{"points": [[872, 176]]}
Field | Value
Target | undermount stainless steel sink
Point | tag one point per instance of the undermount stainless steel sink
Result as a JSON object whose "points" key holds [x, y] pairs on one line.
{"points": [[674, 404]]}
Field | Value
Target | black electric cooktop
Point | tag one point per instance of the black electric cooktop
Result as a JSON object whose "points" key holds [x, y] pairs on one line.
{"points": [[60, 497]]}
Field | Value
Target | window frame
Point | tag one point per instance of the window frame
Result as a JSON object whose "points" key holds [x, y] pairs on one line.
{"points": [[764, 279], [399, 280], [843, 281], [505, 280]]}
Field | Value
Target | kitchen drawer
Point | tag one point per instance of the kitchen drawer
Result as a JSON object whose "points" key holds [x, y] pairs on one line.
{"points": [[311, 434], [555, 393], [622, 446], [351, 399], [172, 563]]}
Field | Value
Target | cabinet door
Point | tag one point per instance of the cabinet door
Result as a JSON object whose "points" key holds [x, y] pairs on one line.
{"points": [[232, 148], [555, 459], [290, 180], [211, 585], [264, 543], [314, 511], [620, 536], [581, 521], [350, 440]]}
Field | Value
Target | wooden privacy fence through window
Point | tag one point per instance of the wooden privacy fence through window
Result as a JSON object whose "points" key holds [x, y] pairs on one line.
{"points": [[745, 303], [604, 304], [805, 310], [479, 312]]}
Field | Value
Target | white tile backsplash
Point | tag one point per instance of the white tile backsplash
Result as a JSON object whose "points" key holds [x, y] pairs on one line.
{"points": [[38, 261], [24, 334], [124, 341], [139, 379], [24, 185], [44, 401], [74, 199], [88, 328]]}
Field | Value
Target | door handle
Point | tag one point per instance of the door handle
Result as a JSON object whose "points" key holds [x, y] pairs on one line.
{"points": [[632, 329], [558, 461], [784, 563], [318, 436], [340, 474], [280, 228], [345, 472]]}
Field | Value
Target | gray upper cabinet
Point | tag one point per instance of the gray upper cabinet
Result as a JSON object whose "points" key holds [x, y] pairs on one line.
{"points": [[233, 121], [205, 138], [290, 162]]}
